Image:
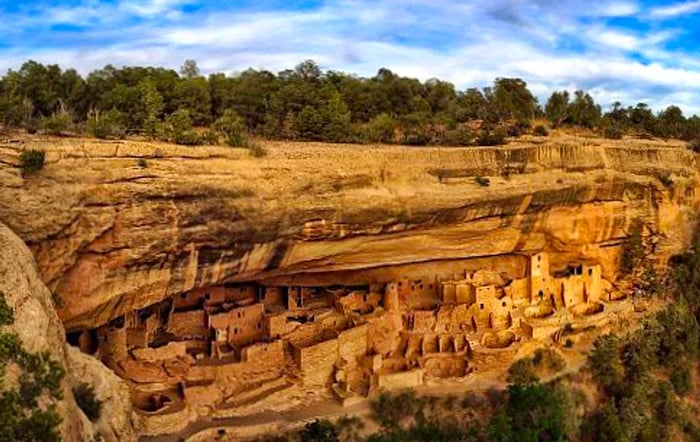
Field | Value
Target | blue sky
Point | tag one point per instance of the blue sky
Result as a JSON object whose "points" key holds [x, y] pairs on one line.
{"points": [[626, 50]]}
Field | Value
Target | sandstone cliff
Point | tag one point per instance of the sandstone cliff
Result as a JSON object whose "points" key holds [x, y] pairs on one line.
{"points": [[40, 329], [110, 236]]}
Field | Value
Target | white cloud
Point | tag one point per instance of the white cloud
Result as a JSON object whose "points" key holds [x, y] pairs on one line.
{"points": [[675, 10], [618, 9], [150, 8], [615, 39], [550, 45]]}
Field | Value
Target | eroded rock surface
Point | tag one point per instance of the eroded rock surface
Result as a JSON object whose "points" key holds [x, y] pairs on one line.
{"points": [[111, 237], [40, 329]]}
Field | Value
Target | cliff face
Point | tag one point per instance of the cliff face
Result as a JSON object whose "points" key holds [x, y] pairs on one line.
{"points": [[40, 329], [110, 236]]}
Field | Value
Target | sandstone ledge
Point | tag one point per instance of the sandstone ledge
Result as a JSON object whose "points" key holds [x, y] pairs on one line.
{"points": [[110, 236]]}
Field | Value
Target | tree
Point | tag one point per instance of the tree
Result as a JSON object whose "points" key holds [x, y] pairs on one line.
{"points": [[152, 103], [189, 69], [522, 372], [416, 130], [441, 97], [557, 108], [108, 124], [57, 123], [605, 364], [533, 413], [337, 125], [615, 122], [27, 405], [319, 431], [584, 111], [606, 425], [308, 70], [642, 118], [473, 105], [193, 95], [309, 103], [179, 128], [512, 100], [309, 123], [671, 122], [232, 128], [380, 129]]}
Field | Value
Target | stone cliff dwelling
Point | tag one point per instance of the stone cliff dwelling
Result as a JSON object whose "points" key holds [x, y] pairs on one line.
{"points": [[228, 345]]}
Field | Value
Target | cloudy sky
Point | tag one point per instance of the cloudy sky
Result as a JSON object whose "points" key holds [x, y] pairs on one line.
{"points": [[622, 50]]}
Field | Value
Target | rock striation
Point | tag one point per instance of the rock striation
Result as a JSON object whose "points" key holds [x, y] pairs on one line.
{"points": [[135, 252], [110, 236]]}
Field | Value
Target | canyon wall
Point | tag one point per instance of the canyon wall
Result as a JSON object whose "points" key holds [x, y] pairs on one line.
{"points": [[110, 236], [39, 328]]}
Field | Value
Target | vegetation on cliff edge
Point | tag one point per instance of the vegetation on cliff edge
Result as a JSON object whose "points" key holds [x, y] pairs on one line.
{"points": [[306, 103]]}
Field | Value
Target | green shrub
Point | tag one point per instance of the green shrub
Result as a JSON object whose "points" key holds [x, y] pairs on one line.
{"points": [[87, 401], [106, 124], [522, 372], [540, 131], [515, 130], [154, 129], [57, 124], [179, 128], [380, 129], [666, 180], [449, 401], [534, 412], [231, 127], [389, 409], [416, 138], [461, 136], [568, 343], [681, 379], [694, 145], [142, 163], [491, 137], [482, 181], [7, 315], [31, 161], [188, 138], [28, 410], [256, 149], [612, 133], [319, 431], [548, 358]]}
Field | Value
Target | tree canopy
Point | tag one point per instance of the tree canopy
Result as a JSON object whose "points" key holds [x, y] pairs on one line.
{"points": [[305, 103]]}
